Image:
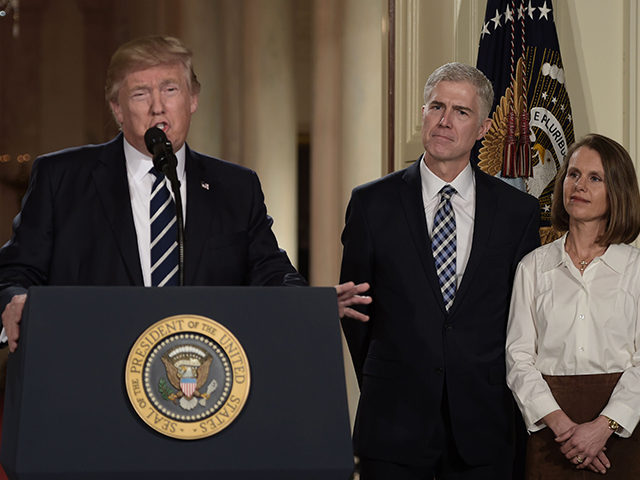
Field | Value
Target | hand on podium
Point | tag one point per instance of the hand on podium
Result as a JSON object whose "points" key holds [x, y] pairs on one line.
{"points": [[350, 294], [11, 317]]}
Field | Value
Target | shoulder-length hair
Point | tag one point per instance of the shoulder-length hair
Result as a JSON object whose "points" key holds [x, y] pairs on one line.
{"points": [[623, 198]]}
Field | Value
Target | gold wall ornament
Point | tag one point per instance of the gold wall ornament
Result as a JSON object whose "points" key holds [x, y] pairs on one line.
{"points": [[187, 377], [20, 158], [15, 171]]}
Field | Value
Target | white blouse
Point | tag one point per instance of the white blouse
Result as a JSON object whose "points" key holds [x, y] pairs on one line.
{"points": [[564, 323]]}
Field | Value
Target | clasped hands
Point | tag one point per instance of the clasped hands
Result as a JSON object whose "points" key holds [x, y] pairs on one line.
{"points": [[584, 444]]}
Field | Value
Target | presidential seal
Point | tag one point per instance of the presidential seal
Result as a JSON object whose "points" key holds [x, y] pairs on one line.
{"points": [[187, 377]]}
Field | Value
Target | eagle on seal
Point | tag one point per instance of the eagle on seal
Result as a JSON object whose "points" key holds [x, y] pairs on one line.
{"points": [[187, 369]]}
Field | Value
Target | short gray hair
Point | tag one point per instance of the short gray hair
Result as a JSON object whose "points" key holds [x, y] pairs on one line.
{"points": [[460, 72]]}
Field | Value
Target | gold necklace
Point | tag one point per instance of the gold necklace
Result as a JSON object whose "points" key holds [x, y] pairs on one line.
{"points": [[582, 264]]}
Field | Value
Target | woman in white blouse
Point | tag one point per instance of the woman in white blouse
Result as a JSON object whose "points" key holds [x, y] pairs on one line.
{"points": [[573, 338]]}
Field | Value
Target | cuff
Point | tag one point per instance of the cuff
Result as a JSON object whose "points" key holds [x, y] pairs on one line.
{"points": [[626, 418], [537, 409]]}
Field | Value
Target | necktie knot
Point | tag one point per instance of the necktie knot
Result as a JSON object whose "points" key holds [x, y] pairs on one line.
{"points": [[156, 173], [447, 192]]}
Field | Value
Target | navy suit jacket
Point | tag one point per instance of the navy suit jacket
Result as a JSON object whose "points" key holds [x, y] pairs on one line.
{"points": [[411, 350], [76, 225]]}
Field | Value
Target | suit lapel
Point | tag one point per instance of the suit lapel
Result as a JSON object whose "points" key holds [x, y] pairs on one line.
{"points": [[201, 192], [110, 177], [482, 225], [414, 209]]}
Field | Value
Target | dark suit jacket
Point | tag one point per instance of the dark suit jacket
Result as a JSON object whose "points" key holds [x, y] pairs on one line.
{"points": [[403, 355], [76, 225]]}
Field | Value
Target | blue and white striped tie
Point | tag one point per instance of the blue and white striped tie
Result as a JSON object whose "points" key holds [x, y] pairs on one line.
{"points": [[164, 234], [443, 244]]}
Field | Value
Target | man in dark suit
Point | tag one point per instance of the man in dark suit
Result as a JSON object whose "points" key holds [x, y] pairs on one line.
{"points": [[87, 217], [439, 243]]}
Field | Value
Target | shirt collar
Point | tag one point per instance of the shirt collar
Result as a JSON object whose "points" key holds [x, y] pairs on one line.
{"points": [[139, 164], [432, 184], [556, 255], [614, 257]]}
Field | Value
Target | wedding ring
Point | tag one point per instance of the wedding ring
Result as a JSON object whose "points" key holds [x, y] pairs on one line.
{"points": [[579, 459]]}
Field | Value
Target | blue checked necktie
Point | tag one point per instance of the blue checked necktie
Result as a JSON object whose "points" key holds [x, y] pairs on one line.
{"points": [[164, 234], [443, 243]]}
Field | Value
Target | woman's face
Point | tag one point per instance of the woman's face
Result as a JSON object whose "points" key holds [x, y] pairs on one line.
{"points": [[584, 190]]}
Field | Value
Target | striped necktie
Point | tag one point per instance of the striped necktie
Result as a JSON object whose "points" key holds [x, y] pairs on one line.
{"points": [[443, 244], [164, 234]]}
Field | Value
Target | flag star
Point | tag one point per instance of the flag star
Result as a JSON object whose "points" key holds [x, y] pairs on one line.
{"points": [[544, 95], [531, 10], [485, 30], [562, 107], [544, 11], [508, 15], [569, 117], [520, 11], [554, 100], [496, 20], [546, 207]]}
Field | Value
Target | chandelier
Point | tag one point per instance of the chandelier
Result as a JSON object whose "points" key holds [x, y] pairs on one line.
{"points": [[11, 6]]}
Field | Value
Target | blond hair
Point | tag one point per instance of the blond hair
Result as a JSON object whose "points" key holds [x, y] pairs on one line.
{"points": [[146, 52]]}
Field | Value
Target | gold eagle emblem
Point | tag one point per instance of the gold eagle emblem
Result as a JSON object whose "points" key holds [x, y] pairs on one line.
{"points": [[187, 368]]}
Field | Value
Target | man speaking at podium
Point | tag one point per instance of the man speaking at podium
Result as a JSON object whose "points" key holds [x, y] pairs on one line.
{"points": [[104, 215]]}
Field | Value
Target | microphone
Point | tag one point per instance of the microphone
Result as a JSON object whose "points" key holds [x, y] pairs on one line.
{"points": [[165, 161], [162, 152]]}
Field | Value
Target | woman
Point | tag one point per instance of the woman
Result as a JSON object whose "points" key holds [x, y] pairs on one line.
{"points": [[573, 338]]}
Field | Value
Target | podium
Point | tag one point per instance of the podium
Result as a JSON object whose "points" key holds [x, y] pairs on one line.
{"points": [[68, 415]]}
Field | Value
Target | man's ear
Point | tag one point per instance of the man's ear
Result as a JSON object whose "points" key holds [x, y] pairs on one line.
{"points": [[194, 102], [484, 128], [117, 111]]}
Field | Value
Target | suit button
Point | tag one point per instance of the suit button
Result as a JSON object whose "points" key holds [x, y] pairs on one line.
{"points": [[448, 326], [439, 370]]}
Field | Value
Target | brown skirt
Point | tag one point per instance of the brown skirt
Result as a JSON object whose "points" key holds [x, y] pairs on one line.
{"points": [[582, 398]]}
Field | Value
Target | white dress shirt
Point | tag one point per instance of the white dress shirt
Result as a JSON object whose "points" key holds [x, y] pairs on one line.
{"points": [[140, 184], [564, 323], [464, 208]]}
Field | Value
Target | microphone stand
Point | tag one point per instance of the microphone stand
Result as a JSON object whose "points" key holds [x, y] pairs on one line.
{"points": [[164, 160], [175, 186]]}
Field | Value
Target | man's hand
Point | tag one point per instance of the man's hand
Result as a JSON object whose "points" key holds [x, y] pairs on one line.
{"points": [[586, 443], [350, 294], [11, 317]]}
